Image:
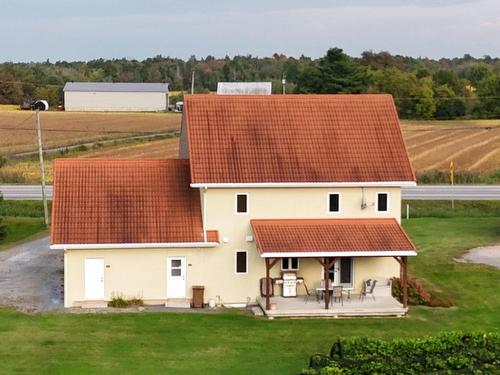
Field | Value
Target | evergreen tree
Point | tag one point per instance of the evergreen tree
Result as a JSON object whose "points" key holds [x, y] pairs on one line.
{"points": [[332, 74]]}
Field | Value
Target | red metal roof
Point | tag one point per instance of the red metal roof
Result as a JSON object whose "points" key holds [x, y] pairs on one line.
{"points": [[102, 201], [309, 236], [295, 138]]}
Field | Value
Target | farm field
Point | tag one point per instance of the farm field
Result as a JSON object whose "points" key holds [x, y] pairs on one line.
{"points": [[18, 134], [473, 145]]}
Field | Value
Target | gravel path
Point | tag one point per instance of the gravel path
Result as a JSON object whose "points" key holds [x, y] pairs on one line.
{"points": [[489, 255], [31, 277]]}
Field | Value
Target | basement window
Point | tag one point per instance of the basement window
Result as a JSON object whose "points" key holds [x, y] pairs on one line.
{"points": [[241, 203], [333, 202], [290, 264], [382, 202], [241, 262]]}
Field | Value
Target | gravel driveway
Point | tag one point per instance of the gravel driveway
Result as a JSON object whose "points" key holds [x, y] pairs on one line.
{"points": [[484, 255], [31, 277]]}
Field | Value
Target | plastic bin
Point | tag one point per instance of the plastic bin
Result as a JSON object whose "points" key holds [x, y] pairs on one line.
{"points": [[198, 292]]}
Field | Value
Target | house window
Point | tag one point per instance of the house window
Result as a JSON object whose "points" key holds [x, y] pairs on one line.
{"points": [[241, 203], [241, 262], [382, 202], [333, 202], [290, 264]]}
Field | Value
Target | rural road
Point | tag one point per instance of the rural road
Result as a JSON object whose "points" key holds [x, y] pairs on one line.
{"points": [[425, 192], [31, 276]]}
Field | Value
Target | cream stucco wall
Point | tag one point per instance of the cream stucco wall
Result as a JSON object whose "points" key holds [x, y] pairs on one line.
{"points": [[142, 273], [115, 101]]}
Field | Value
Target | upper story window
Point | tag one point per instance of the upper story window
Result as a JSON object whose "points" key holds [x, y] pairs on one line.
{"points": [[290, 264], [333, 202], [241, 262], [382, 202], [242, 203]]}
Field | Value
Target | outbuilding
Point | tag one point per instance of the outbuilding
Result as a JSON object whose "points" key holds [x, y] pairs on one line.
{"points": [[116, 96]]}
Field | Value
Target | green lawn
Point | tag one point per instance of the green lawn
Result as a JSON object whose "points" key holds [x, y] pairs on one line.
{"points": [[20, 229], [233, 343]]}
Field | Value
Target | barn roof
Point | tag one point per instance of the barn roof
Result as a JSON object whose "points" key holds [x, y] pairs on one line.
{"points": [[115, 87], [280, 139]]}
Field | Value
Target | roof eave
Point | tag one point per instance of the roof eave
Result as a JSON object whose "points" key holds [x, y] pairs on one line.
{"points": [[118, 246], [331, 254], [226, 185]]}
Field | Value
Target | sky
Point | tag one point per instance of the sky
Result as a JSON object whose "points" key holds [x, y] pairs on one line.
{"points": [[37, 30]]}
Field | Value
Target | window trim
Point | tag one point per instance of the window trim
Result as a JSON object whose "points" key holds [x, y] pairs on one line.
{"points": [[236, 262], [328, 203], [236, 204], [376, 202], [290, 263]]}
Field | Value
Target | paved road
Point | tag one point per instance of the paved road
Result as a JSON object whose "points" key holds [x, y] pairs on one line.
{"points": [[447, 192], [426, 192], [24, 192]]}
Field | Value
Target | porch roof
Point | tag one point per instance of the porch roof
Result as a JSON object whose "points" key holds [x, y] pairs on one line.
{"points": [[331, 238]]}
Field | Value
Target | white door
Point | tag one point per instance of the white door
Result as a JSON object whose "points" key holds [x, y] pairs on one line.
{"points": [[176, 277], [94, 279]]}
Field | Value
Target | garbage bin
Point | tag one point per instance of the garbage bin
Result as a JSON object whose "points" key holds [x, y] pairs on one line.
{"points": [[198, 296]]}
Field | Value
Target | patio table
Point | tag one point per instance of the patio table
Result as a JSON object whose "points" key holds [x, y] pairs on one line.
{"points": [[321, 289]]}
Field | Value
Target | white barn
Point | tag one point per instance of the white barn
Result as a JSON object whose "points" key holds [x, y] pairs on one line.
{"points": [[108, 96]]}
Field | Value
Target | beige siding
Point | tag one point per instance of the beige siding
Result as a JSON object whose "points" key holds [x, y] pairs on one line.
{"points": [[142, 273], [115, 101]]}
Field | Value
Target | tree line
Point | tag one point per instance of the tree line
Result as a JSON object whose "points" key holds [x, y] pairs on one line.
{"points": [[422, 88]]}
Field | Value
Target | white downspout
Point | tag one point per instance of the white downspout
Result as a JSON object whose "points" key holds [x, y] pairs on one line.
{"points": [[204, 214]]}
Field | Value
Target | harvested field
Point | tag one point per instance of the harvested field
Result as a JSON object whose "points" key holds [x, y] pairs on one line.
{"points": [[473, 145], [28, 171], [18, 134]]}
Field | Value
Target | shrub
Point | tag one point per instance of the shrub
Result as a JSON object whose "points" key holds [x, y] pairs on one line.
{"points": [[417, 294], [444, 354], [119, 302]]}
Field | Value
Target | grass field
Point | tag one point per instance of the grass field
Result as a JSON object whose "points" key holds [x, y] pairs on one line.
{"points": [[234, 343], [20, 229]]}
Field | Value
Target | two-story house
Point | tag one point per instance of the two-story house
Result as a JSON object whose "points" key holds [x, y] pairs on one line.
{"points": [[307, 185]]}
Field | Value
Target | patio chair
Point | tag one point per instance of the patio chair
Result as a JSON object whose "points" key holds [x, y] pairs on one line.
{"points": [[337, 295], [368, 289]]}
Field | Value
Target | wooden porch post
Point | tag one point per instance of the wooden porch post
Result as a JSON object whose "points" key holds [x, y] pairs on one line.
{"points": [[269, 265], [327, 279], [268, 268], [405, 280]]}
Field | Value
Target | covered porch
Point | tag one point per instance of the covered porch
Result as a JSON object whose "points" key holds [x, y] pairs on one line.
{"points": [[329, 242]]}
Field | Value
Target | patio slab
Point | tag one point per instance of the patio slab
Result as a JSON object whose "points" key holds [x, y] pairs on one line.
{"points": [[299, 307]]}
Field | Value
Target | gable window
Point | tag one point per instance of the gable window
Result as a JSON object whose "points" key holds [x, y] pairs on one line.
{"points": [[241, 262], [290, 264], [333, 202], [382, 202], [241, 203]]}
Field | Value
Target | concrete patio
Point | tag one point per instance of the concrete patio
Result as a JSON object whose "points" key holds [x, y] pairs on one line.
{"points": [[300, 307]]}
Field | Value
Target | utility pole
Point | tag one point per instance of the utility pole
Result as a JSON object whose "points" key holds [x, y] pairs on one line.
{"points": [[283, 82], [192, 82], [42, 167]]}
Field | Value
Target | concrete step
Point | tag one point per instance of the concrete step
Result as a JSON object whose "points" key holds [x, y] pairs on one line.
{"points": [[178, 303]]}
